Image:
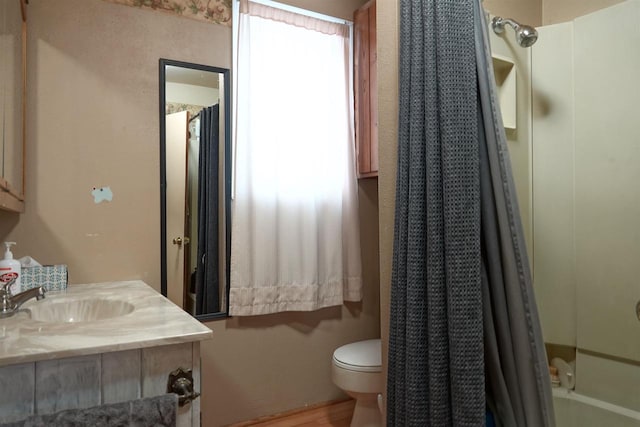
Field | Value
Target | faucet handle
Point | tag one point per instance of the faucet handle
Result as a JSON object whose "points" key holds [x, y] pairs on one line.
{"points": [[7, 285]]}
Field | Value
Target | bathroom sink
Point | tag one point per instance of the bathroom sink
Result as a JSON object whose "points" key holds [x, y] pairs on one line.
{"points": [[85, 310]]}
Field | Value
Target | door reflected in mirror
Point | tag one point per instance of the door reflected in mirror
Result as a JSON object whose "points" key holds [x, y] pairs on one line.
{"points": [[195, 186]]}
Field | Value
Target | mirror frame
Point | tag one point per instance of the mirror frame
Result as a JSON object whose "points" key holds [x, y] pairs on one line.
{"points": [[227, 178], [10, 199]]}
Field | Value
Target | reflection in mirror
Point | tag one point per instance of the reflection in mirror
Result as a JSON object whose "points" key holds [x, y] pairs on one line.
{"points": [[195, 186], [12, 89]]}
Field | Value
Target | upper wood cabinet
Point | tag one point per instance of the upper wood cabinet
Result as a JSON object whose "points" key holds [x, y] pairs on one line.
{"points": [[13, 31], [366, 95]]}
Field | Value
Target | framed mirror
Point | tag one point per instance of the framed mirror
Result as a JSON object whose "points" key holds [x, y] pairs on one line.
{"points": [[195, 186], [13, 30]]}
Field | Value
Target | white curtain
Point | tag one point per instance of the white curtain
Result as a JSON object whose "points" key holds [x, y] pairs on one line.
{"points": [[295, 242]]}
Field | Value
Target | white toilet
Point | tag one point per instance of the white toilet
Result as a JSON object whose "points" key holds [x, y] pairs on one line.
{"points": [[356, 369]]}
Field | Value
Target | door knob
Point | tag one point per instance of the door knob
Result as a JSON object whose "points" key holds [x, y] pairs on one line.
{"points": [[179, 241]]}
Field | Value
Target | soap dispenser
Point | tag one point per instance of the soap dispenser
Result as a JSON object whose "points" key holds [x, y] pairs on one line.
{"points": [[10, 268]]}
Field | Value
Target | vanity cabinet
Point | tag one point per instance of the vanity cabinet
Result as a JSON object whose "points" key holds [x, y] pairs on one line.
{"points": [[366, 92], [49, 386], [97, 344], [13, 30]]}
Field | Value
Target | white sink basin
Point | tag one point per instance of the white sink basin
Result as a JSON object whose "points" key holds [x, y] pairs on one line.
{"points": [[85, 310]]}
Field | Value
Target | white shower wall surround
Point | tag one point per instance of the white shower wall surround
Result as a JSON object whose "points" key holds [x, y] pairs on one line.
{"points": [[577, 410], [585, 161]]}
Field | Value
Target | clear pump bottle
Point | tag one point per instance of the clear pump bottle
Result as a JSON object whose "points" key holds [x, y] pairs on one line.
{"points": [[10, 268]]}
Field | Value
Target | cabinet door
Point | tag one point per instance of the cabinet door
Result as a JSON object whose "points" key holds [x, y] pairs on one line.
{"points": [[158, 362], [365, 77]]}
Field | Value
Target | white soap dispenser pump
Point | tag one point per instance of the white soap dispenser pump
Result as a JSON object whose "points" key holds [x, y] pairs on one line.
{"points": [[10, 268]]}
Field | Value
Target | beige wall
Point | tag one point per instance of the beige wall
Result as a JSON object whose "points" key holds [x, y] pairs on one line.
{"points": [[556, 11], [93, 121], [388, 38], [528, 11], [338, 8]]}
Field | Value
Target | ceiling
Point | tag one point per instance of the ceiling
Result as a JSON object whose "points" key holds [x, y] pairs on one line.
{"points": [[191, 76]]}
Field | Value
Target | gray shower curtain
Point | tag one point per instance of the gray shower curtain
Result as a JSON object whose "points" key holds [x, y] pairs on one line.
{"points": [[207, 271], [464, 330]]}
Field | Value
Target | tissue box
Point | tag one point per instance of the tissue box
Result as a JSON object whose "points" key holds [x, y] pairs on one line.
{"points": [[52, 277]]}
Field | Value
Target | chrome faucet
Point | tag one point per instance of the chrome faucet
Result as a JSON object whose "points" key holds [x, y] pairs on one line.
{"points": [[10, 304]]}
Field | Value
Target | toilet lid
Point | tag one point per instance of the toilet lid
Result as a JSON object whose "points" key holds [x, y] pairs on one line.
{"points": [[363, 356]]}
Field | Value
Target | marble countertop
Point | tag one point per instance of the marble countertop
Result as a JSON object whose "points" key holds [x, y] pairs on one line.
{"points": [[154, 321]]}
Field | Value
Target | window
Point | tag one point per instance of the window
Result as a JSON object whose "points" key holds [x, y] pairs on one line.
{"points": [[295, 238]]}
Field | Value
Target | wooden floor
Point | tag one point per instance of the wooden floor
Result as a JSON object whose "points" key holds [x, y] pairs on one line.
{"points": [[336, 414]]}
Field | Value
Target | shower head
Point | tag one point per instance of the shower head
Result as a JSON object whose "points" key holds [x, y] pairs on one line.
{"points": [[525, 35]]}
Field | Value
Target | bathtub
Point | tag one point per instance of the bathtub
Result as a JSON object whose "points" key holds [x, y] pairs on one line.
{"points": [[576, 410]]}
